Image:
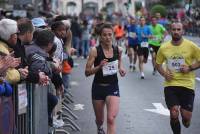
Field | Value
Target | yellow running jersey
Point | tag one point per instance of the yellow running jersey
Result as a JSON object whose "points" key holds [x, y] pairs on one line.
{"points": [[175, 56]]}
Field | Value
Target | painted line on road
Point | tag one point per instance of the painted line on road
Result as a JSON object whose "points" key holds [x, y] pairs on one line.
{"points": [[74, 83], [198, 79]]}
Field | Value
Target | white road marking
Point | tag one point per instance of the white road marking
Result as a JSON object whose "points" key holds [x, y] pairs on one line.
{"points": [[74, 83], [160, 109], [79, 107], [198, 79]]}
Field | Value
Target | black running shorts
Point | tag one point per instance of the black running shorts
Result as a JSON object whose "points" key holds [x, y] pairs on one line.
{"points": [[100, 92], [154, 48], [143, 51], [181, 96]]}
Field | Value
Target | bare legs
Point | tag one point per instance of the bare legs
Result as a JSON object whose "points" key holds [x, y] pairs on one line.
{"points": [[112, 104]]}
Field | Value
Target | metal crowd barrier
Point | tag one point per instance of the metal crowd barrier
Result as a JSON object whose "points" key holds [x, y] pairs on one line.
{"points": [[27, 110], [30, 107]]}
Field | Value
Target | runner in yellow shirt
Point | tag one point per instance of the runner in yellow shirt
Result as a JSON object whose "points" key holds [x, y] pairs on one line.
{"points": [[181, 57]]}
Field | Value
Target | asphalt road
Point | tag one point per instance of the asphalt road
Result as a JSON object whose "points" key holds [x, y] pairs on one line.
{"points": [[142, 105]]}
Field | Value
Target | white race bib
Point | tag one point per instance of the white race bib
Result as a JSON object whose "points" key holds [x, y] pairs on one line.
{"points": [[132, 34], [111, 68], [156, 38], [144, 44], [175, 64]]}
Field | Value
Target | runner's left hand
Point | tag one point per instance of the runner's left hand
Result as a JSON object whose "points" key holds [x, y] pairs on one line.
{"points": [[122, 72], [184, 69]]}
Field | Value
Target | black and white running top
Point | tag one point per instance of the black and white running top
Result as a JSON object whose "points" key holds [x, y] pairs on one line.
{"points": [[108, 74]]}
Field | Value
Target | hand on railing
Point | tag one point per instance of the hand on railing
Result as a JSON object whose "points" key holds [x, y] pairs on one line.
{"points": [[43, 79], [23, 72]]}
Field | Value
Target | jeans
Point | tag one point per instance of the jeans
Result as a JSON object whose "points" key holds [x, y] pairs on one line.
{"points": [[65, 78], [76, 44], [52, 102], [85, 48]]}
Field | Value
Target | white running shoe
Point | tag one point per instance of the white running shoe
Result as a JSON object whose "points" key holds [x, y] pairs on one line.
{"points": [[57, 123]]}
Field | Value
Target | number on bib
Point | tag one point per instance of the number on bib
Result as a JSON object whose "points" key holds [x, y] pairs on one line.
{"points": [[175, 64], [144, 44], [111, 68]]}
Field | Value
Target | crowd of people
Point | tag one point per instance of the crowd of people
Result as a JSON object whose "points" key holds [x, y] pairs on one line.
{"points": [[35, 51]]}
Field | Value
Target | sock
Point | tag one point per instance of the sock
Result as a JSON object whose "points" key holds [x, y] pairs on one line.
{"points": [[142, 73], [175, 125]]}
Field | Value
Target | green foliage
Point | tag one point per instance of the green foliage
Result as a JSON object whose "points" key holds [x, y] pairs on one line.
{"points": [[159, 9], [138, 5]]}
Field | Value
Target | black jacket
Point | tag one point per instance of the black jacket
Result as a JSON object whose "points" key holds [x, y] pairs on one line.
{"points": [[39, 60], [19, 51]]}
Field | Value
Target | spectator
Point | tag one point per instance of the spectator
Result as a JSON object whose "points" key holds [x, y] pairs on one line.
{"points": [[39, 60], [25, 36], [76, 35], [85, 38], [8, 38]]}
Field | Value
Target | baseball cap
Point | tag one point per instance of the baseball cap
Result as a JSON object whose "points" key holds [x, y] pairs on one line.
{"points": [[38, 22]]}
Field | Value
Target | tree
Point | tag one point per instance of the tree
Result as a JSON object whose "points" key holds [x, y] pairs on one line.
{"points": [[138, 5], [159, 9]]}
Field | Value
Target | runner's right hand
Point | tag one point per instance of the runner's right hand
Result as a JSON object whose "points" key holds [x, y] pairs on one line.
{"points": [[168, 75], [103, 62]]}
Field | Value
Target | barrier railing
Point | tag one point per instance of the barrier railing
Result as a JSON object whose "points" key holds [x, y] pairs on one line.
{"points": [[27, 110], [30, 107]]}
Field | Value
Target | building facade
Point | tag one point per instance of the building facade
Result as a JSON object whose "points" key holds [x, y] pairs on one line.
{"points": [[75, 7]]}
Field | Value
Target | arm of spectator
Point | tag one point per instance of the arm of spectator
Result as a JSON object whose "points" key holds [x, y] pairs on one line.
{"points": [[23, 72], [39, 63], [3, 65], [56, 65], [12, 75]]}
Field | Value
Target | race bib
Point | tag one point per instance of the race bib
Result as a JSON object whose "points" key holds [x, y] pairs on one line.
{"points": [[111, 68], [175, 64], [144, 44], [156, 38], [132, 34]]}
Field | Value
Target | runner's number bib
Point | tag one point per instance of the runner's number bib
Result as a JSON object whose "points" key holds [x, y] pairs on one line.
{"points": [[132, 34], [111, 68], [156, 38], [144, 44], [175, 64]]}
